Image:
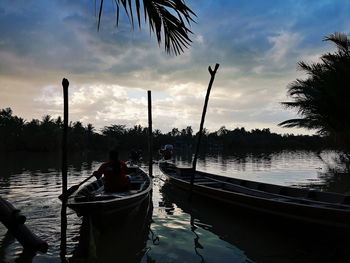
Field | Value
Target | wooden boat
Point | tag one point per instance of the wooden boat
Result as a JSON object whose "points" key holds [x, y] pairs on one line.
{"points": [[91, 199], [259, 237], [305, 205], [122, 240]]}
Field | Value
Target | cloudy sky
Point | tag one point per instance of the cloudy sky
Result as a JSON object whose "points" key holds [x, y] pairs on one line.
{"points": [[257, 44]]}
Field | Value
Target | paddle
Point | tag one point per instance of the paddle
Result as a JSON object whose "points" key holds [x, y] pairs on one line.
{"points": [[73, 188]]}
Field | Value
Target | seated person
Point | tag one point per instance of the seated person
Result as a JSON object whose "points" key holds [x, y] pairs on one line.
{"points": [[167, 152], [114, 173]]}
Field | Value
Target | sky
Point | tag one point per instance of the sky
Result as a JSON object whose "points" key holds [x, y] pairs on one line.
{"points": [[257, 44]]}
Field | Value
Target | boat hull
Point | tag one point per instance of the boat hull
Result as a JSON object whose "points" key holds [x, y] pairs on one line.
{"points": [[108, 209], [282, 207], [91, 200]]}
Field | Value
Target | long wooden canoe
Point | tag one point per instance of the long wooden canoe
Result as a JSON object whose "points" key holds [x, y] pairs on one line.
{"points": [[324, 208], [91, 199]]}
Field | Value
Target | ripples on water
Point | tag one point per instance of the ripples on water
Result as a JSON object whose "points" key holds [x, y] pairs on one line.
{"points": [[179, 232]]}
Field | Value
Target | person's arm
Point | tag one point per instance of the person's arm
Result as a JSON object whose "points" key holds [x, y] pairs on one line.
{"points": [[99, 172]]}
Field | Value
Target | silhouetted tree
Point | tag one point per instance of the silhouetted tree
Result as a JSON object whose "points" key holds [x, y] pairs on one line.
{"points": [[323, 99], [222, 131], [11, 128], [175, 132], [45, 135], [90, 129], [114, 130], [157, 133]]}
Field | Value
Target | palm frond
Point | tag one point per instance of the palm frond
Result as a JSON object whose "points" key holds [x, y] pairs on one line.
{"points": [[322, 99], [168, 19], [341, 41]]}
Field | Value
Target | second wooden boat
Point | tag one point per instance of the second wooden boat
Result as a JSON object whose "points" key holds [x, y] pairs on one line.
{"points": [[324, 208]]}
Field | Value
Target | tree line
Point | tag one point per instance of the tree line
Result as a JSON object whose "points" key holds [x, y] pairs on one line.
{"points": [[17, 134]]}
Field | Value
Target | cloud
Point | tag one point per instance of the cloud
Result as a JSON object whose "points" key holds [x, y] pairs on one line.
{"points": [[284, 46], [257, 43]]}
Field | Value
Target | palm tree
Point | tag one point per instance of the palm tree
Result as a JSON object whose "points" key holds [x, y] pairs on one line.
{"points": [[323, 99], [170, 17]]}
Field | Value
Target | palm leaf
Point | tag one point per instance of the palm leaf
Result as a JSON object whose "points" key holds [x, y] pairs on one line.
{"points": [[169, 20], [322, 99], [341, 41]]}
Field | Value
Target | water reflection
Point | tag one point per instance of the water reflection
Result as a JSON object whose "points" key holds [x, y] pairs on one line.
{"points": [[179, 232], [297, 168], [63, 244], [197, 245], [252, 237], [118, 239], [25, 256], [181, 237]]}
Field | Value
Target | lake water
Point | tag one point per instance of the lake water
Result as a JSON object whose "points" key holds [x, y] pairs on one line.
{"points": [[168, 228]]}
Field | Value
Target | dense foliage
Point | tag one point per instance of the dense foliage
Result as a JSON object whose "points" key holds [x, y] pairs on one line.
{"points": [[323, 99], [44, 135]]}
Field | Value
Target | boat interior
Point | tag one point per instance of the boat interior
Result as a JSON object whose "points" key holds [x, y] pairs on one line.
{"points": [[95, 190], [259, 189]]}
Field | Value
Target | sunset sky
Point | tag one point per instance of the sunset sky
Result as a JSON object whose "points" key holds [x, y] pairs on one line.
{"points": [[257, 44]]}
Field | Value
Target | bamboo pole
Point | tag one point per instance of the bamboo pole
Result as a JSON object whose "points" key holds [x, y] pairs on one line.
{"points": [[150, 134], [65, 85], [63, 246], [194, 163]]}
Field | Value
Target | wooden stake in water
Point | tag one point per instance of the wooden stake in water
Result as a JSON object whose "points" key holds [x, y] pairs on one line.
{"points": [[65, 84], [194, 163], [150, 134]]}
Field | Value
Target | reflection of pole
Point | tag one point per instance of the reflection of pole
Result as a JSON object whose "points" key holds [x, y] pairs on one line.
{"points": [[194, 163], [196, 239], [65, 85], [26, 256], [150, 139]]}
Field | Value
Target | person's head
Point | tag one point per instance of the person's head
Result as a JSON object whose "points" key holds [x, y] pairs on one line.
{"points": [[114, 155]]}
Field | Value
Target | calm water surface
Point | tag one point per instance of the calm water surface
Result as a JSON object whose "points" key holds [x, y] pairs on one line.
{"points": [[169, 229]]}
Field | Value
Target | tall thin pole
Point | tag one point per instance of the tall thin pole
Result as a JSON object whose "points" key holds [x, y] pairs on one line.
{"points": [[150, 134], [65, 84], [194, 163]]}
